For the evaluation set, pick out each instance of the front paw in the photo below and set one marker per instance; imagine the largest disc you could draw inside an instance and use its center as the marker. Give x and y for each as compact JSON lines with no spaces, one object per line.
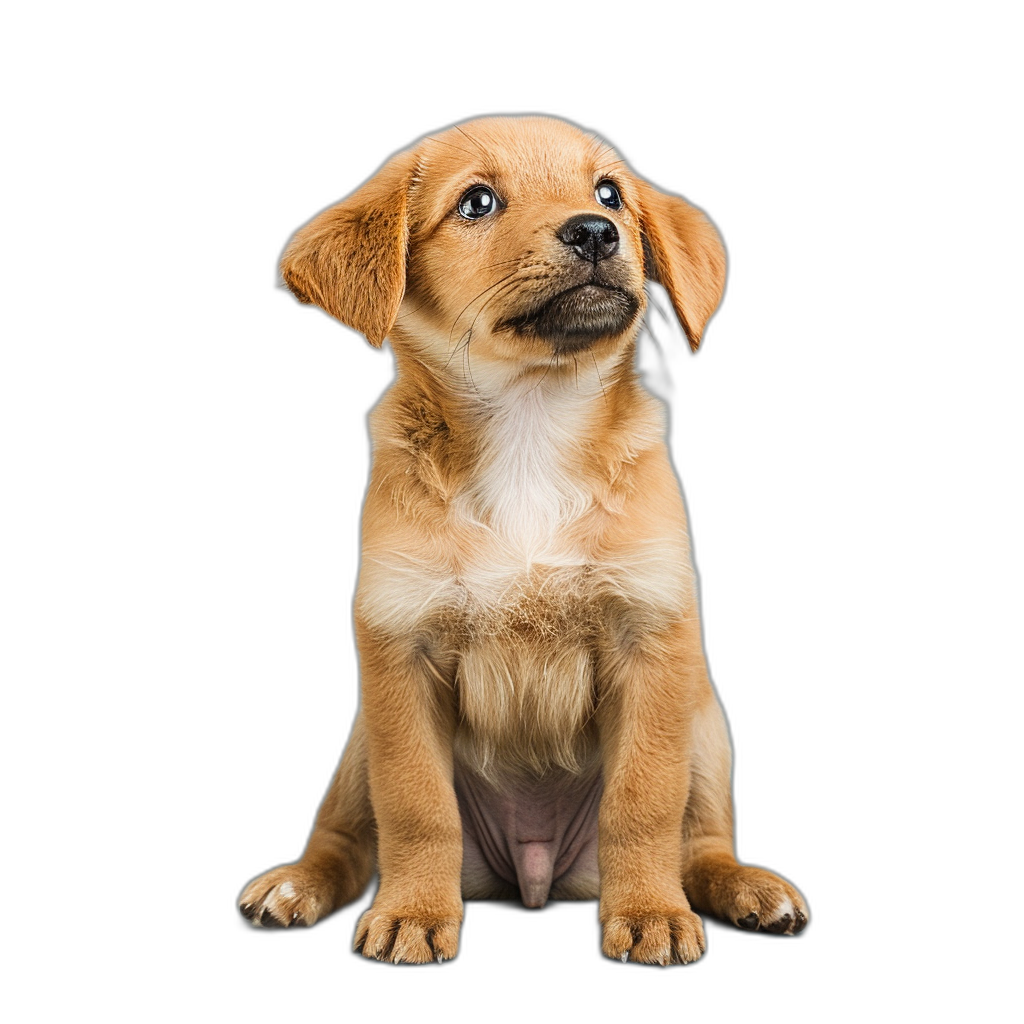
{"x":405,"y":936}
{"x":674,"y":936}
{"x":292,"y":894}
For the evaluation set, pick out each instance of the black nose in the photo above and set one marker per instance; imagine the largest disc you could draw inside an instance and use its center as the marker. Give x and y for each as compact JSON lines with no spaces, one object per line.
{"x":592,"y":238}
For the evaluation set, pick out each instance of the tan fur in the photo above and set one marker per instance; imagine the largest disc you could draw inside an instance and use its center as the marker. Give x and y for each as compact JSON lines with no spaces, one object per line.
{"x":526,"y":602}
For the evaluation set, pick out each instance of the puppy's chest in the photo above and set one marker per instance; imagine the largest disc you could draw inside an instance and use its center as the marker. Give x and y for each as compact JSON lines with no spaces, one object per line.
{"x":527,"y":594}
{"x":484,"y":580}
{"x":524,"y":565}
{"x":515,"y":546}
{"x":522,"y":538}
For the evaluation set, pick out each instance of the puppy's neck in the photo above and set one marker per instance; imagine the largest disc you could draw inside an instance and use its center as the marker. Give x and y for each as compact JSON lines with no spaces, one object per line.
{"x":530,"y":479}
{"x":525,"y":453}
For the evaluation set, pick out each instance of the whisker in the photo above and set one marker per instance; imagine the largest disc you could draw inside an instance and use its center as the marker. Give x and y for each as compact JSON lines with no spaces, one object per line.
{"x":469,"y":366}
{"x":481,"y":149}
{"x":543,"y":376}
{"x":622,"y":162}
{"x":414,"y":309}
{"x":475,"y":298}
{"x":501,"y":291}
{"x":459,"y":347}
{"x":601,"y":148}
{"x":597,"y":370}
{"x":513,"y":274}
{"x":508,"y":285}
{"x":501,"y":263}
{"x":430,"y":138}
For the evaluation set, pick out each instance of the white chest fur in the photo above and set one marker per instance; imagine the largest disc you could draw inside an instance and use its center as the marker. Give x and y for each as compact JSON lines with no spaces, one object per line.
{"x":527,"y":492}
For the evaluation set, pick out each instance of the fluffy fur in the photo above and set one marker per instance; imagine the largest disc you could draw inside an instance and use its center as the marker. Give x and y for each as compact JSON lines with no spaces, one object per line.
{"x":526,"y":612}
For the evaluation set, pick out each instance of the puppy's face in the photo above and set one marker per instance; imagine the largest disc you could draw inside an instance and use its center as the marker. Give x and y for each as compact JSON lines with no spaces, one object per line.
{"x":525,"y":245}
{"x":523,"y":241}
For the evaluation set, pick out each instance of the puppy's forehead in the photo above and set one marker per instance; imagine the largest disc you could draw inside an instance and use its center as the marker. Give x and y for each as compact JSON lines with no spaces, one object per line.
{"x":521,"y":153}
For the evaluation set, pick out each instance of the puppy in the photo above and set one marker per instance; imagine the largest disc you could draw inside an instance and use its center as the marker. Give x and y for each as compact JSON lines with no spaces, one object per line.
{"x":536,"y":717}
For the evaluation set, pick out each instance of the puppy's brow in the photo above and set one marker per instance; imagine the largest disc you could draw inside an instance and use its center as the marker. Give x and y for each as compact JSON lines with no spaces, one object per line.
{"x":607,"y":169}
{"x":603,"y":148}
{"x":472,"y":140}
{"x":441,"y":142}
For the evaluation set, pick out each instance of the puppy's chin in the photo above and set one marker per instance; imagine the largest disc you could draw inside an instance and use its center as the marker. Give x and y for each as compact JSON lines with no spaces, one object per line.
{"x":577,"y":318}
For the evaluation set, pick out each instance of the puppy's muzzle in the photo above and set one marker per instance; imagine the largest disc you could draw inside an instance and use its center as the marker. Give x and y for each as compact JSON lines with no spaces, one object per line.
{"x":584,"y":305}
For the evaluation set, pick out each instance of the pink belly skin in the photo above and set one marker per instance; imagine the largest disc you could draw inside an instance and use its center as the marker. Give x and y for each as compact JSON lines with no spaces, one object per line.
{"x":537,"y":836}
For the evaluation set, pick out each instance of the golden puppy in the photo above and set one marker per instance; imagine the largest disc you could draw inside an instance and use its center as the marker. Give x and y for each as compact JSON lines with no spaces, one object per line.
{"x":536,"y":714}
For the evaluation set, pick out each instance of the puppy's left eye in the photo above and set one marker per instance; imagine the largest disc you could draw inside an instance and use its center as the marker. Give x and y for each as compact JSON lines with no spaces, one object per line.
{"x":478,"y":202}
{"x":608,"y":195}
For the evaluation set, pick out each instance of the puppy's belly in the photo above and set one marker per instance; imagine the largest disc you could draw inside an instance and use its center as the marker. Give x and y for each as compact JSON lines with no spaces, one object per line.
{"x":537,"y":834}
{"x":527,"y":775}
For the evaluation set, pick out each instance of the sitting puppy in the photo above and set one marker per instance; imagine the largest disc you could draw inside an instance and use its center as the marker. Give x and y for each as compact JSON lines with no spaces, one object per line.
{"x":536,"y":717}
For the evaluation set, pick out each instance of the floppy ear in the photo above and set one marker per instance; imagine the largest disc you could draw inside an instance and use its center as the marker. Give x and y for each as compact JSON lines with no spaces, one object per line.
{"x":684,"y":254}
{"x":350,"y":260}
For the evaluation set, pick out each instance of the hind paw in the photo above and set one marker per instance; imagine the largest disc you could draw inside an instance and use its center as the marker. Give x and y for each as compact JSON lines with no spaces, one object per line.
{"x":288,"y":895}
{"x":757,"y":900}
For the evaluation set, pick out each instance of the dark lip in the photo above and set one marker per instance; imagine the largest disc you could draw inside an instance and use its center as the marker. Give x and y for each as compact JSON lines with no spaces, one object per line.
{"x":523,"y":320}
{"x":540,"y":321}
{"x":590,"y":284}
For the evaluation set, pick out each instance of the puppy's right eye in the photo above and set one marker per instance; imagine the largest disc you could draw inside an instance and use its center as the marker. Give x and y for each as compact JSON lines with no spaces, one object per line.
{"x":477,"y":202}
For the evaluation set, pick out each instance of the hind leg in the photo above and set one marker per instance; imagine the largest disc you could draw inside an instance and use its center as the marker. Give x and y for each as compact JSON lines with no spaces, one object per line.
{"x":748,"y":897}
{"x":339,"y":857}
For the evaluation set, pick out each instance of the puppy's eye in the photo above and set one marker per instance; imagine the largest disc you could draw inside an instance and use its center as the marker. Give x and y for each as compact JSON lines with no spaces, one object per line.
{"x":608,"y":195}
{"x":477,"y":202}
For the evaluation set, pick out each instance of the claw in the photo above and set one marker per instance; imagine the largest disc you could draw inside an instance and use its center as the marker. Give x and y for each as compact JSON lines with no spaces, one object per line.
{"x":267,"y":920}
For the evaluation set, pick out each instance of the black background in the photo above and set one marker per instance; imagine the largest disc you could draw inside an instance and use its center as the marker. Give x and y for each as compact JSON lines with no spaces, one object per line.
{"x":280,"y":393}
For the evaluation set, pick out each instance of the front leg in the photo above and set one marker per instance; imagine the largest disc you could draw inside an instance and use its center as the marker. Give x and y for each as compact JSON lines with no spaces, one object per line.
{"x":649,"y":683}
{"x":416,"y":914}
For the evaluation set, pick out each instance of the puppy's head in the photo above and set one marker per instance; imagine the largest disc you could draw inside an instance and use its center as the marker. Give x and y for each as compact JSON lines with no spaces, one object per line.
{"x":524,"y":238}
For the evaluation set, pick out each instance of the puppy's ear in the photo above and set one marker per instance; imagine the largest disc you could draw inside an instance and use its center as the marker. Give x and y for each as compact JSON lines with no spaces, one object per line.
{"x":350,"y":260}
{"x":684,"y":254}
